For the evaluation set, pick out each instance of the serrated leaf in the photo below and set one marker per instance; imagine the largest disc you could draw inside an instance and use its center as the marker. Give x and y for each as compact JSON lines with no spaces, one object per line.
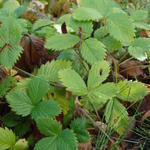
{"x":19,"y":102}
{"x":49,"y":127}
{"x":98,"y":73}
{"x":66,"y":141}
{"x":50,"y":69}
{"x":86,"y":14}
{"x":120,"y":27}
{"x":79,"y":127}
{"x":100,"y":95}
{"x":139,"y":48}
{"x":10,"y":35}
{"x":61,"y":42}
{"x":37,"y":88}
{"x":72,"y":81}
{"x":7,"y":139}
{"x":103,"y":6}
{"x":5,"y":85}
{"x":116,"y":116}
{"x":47,"y":108}
{"x":131,"y":91}
{"x":92,"y":53}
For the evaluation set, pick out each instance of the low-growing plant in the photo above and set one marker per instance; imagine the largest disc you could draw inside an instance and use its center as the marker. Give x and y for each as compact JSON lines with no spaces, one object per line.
{"x":61,"y":96}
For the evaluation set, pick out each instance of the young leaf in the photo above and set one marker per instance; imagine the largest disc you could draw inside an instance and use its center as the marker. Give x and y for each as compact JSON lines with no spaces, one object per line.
{"x":139,"y":48}
{"x":61,"y":42}
{"x":73,"y":81}
{"x":79,"y":127}
{"x":49,"y":127}
{"x":10,"y":34}
{"x":50,"y":69}
{"x":120,"y":27}
{"x":98,"y":73}
{"x":86,"y":14}
{"x":116,"y":116}
{"x":7,"y":139}
{"x":131,"y":91}
{"x":92,"y":53}
{"x":37,"y":88}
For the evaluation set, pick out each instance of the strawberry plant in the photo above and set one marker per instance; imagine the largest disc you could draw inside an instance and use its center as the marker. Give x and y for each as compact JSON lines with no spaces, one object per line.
{"x":55,"y":104}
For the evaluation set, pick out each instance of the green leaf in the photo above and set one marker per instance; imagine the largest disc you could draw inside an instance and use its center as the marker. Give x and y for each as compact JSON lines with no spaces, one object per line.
{"x":79,"y":127}
{"x":100,"y":95}
{"x":92,"y":53}
{"x":21,"y":144}
{"x":104,"y":7}
{"x":19,"y":102}
{"x":66,"y":141}
{"x":5,"y":85}
{"x":116,"y":116}
{"x":37,"y":88}
{"x":47,"y":108}
{"x":86,"y":14}
{"x":131,"y":91}
{"x":98,"y":73}
{"x":50,"y":69}
{"x":10,"y":35}
{"x":61,"y":42}
{"x":73,"y":81}
{"x":139,"y":48}
{"x":120,"y":27}
{"x":49,"y":127}
{"x":7,"y":139}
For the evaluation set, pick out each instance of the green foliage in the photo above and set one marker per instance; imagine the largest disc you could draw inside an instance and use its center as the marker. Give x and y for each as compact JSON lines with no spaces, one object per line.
{"x":139,"y":48}
{"x":7,"y":139}
{"x":10,"y":34}
{"x":87,"y":14}
{"x":56,"y":137}
{"x":116,"y":116}
{"x":61,"y":42}
{"x":5,"y":85}
{"x":50,"y":69}
{"x":24,"y":103}
{"x":73,"y":81}
{"x":92,"y":53}
{"x":131,"y":91}
{"x":79,"y":127}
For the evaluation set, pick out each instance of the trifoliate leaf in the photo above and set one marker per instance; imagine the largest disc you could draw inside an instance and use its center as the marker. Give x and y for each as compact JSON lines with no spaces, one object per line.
{"x":139,"y":48}
{"x":79,"y":127}
{"x":7,"y":139}
{"x":116,"y":116}
{"x":49,"y":127}
{"x":10,"y":35}
{"x":61,"y":42}
{"x":98,"y":73}
{"x":86,"y":14}
{"x":19,"y":102}
{"x":66,"y":141}
{"x":131,"y":91}
{"x":92,"y":53}
{"x":120,"y":27}
{"x":37,"y":88}
{"x":50,"y":69}
{"x":47,"y":108}
{"x":103,"y":6}
{"x":73,"y":82}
